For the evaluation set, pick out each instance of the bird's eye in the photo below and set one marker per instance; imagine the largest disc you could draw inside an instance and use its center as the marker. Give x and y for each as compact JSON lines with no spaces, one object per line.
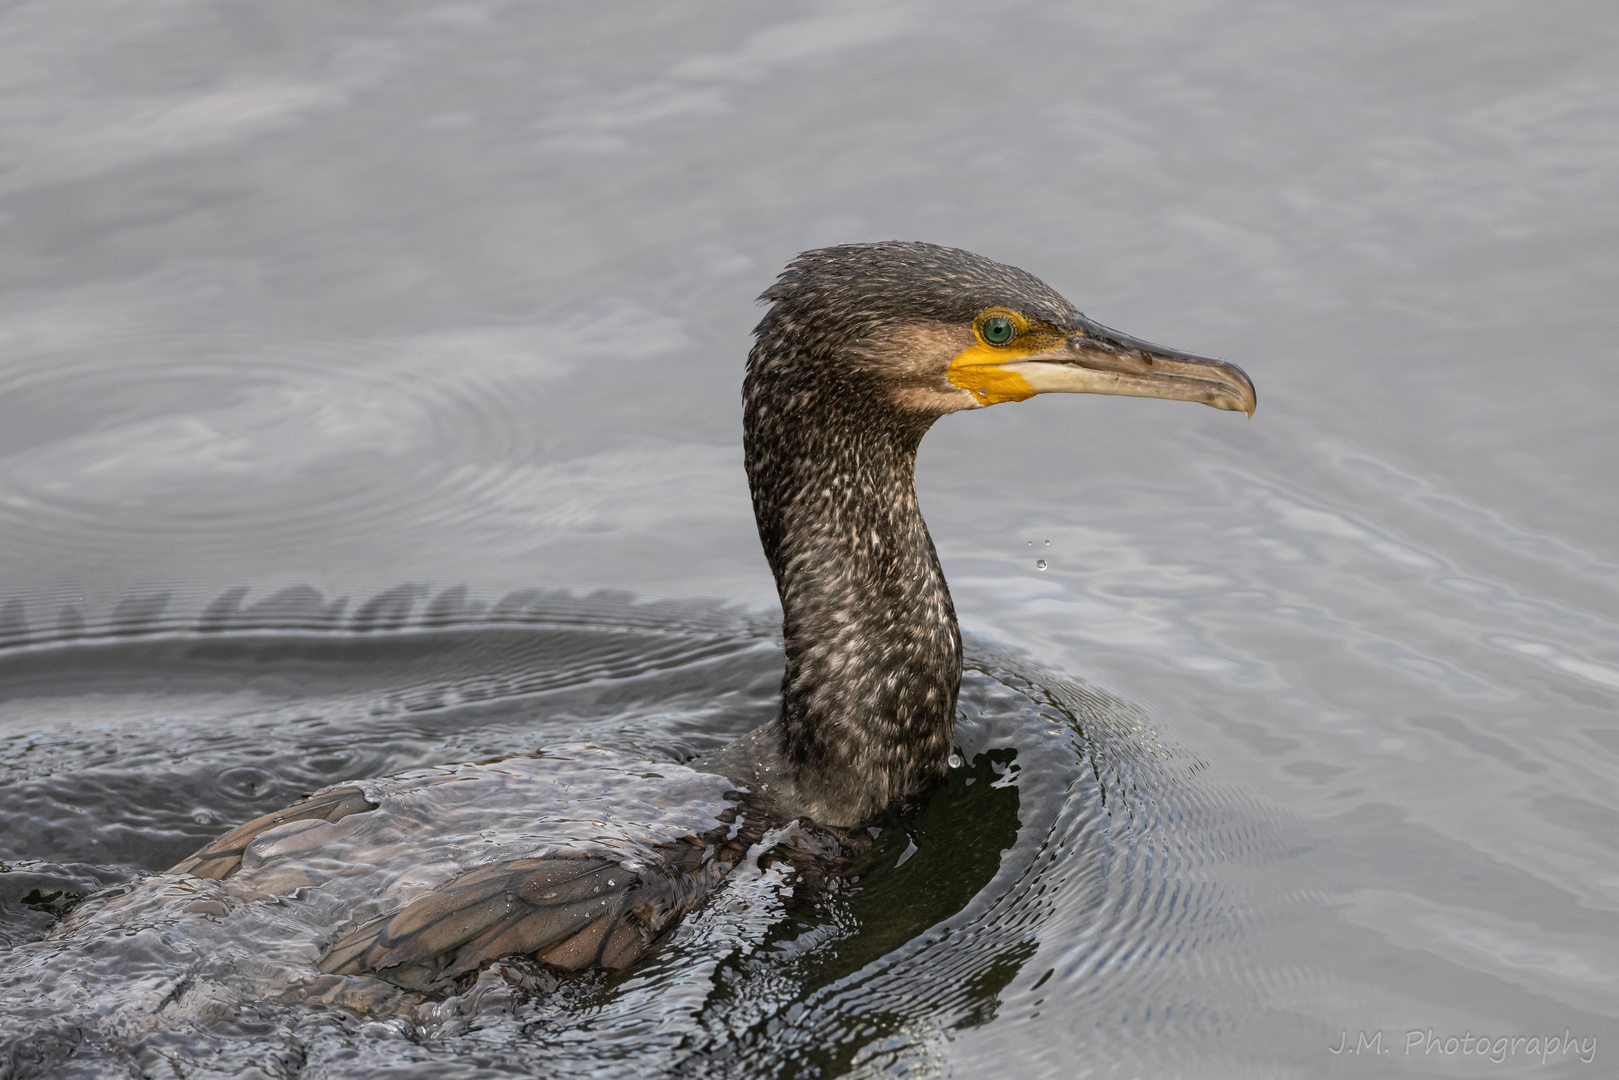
{"x":997,"y":331}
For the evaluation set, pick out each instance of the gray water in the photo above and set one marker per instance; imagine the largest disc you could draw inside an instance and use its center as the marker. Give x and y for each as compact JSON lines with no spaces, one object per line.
{"x":336,"y":321}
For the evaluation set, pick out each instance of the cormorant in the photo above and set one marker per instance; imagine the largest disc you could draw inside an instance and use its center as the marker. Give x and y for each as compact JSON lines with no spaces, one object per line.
{"x":863,"y":347}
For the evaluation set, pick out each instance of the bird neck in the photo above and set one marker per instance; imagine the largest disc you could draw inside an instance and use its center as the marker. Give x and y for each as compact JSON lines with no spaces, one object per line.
{"x":872,"y":647}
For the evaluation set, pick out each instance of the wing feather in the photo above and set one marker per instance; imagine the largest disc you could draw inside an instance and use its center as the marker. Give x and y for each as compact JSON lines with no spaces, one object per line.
{"x":223,"y":857}
{"x":569,"y":911}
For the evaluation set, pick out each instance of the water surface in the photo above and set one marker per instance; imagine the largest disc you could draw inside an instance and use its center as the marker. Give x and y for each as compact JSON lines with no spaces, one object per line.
{"x":350,"y":325}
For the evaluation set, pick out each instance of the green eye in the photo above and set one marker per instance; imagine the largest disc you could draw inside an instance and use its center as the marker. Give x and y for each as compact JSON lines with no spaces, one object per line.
{"x":997,"y":331}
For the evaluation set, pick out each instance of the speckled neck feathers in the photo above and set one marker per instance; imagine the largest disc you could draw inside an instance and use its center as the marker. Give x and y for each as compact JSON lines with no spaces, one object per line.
{"x":848,"y":372}
{"x":873,"y":651}
{"x":873,"y":654}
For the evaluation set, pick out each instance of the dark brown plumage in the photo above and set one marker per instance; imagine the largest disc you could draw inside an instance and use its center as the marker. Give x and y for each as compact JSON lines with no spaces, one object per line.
{"x":863,"y":347}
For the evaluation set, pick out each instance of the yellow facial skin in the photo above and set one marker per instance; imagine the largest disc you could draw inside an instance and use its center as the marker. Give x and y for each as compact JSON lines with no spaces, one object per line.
{"x":978,"y":369}
{"x":1087,"y":358}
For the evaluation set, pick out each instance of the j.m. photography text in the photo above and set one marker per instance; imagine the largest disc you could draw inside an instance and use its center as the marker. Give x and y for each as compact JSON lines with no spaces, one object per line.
{"x":1496,"y":1048}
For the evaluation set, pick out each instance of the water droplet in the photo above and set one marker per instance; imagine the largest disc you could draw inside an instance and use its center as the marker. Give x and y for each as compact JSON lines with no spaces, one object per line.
{"x":955,"y":761}
{"x":1031,"y":543}
{"x":1039,"y":564}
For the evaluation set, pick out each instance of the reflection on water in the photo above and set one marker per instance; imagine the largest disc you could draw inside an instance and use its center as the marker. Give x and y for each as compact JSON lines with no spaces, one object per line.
{"x":333,"y":341}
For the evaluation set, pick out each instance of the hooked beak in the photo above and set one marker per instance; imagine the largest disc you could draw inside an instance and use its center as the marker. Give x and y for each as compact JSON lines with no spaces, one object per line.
{"x":1094,"y":359}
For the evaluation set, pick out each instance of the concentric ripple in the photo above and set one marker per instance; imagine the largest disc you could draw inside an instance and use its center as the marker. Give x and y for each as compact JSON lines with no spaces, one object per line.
{"x":1074,"y":859}
{"x":225,"y":437}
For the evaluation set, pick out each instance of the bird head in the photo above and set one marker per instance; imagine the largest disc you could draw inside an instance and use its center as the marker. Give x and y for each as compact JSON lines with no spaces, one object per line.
{"x":938,"y":330}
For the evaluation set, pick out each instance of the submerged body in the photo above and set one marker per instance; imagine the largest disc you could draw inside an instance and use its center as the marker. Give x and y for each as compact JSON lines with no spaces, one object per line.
{"x":450,"y":866}
{"x":863,"y":348}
